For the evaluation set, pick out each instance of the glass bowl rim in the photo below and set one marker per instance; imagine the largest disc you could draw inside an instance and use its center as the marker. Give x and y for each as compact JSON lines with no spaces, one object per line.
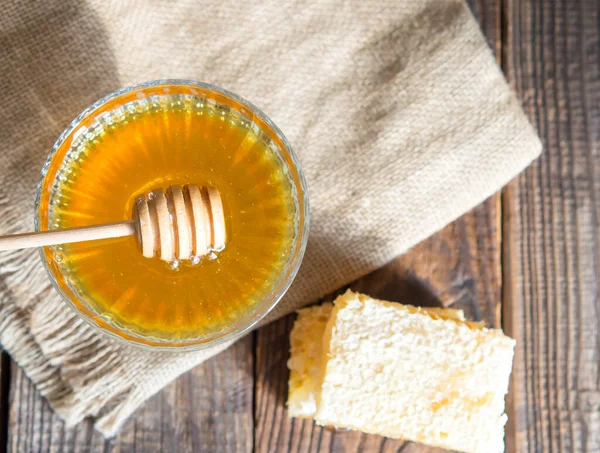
{"x":292,"y":266}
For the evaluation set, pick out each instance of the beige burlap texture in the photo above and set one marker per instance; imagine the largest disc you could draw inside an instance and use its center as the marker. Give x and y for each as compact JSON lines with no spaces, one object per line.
{"x":399,"y":114}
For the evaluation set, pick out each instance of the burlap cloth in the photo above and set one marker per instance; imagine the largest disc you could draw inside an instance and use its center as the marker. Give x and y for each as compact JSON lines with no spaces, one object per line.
{"x":397,"y":110}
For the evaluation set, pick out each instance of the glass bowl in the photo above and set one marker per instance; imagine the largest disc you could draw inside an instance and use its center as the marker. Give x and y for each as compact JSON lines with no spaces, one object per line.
{"x":219,"y":99}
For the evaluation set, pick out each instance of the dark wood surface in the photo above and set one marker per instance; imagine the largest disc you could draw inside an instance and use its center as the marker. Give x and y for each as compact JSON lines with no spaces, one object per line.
{"x":530,"y":254}
{"x":550,"y":219}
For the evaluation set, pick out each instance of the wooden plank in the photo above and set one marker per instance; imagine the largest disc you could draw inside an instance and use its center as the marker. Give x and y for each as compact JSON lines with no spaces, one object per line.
{"x":206,"y":410}
{"x":459,"y":267}
{"x":33,"y":426}
{"x":551,"y":230}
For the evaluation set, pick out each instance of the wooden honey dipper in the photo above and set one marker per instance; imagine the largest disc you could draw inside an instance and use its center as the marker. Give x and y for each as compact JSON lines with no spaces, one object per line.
{"x":178,"y":223}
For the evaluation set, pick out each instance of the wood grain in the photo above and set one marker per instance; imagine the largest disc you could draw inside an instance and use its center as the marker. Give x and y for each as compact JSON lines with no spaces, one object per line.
{"x":459,"y":267}
{"x":551,"y":240}
{"x":208,"y":409}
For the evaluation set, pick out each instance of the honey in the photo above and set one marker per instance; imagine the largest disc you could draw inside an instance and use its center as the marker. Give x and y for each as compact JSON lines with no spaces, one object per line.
{"x":152,"y":142}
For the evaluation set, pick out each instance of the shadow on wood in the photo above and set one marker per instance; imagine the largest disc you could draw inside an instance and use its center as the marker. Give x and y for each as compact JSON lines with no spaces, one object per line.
{"x":393,"y":283}
{"x":459,"y":267}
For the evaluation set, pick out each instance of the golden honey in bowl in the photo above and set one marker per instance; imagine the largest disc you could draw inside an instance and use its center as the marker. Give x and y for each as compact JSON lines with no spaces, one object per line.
{"x":171,"y":135}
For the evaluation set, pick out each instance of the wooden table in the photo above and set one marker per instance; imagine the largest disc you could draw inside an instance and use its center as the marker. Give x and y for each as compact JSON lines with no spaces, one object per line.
{"x":527,"y":260}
